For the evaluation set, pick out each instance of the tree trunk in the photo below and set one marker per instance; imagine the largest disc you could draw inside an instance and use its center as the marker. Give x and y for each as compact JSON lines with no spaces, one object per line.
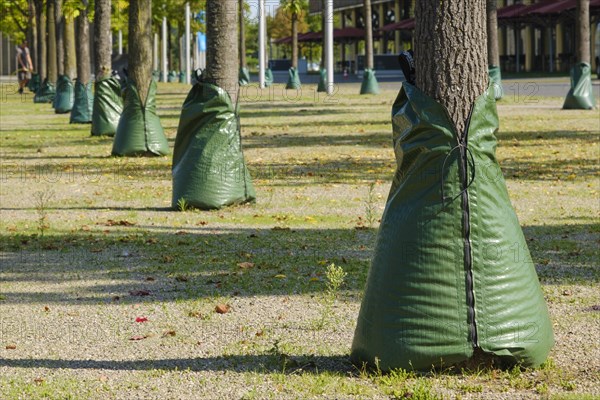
{"x":41,"y":29}
{"x":102,"y":47}
{"x":60,"y":32}
{"x":451,"y":54}
{"x":583,"y":31}
{"x":69,"y":43}
{"x":242,"y":35}
{"x":222,"y":51}
{"x":492,"y":31}
{"x":51,"y":48}
{"x":33,"y":44}
{"x":368,"y":34}
{"x":83,"y":45}
{"x":294,"y":40}
{"x":140,"y":45}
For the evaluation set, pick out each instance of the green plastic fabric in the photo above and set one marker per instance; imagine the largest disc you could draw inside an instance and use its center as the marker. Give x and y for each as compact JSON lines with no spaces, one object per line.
{"x":45,"y":93}
{"x":581,"y":94}
{"x":172,"y":77}
{"x":34,"y":83}
{"x":369,"y":84}
{"x":496,"y":80}
{"x":108,"y":106}
{"x":156,"y":75}
{"x":139,"y":131}
{"x":83,"y":106}
{"x":244,"y":76}
{"x":293,"y":79}
{"x":322,"y":86}
{"x":415,"y":312}
{"x":182,"y":77}
{"x":65,"y":95}
{"x":268,"y":77}
{"x":209,"y":170}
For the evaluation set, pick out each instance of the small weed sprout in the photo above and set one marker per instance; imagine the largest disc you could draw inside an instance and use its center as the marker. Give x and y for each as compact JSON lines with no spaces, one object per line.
{"x":370,"y":215}
{"x":335,"y":279}
{"x":182,"y":205}
{"x":42,"y":199}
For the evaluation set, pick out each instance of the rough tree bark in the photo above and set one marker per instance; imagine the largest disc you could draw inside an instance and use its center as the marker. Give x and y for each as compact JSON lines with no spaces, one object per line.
{"x":33,"y":40}
{"x":60,"y":32}
{"x":451,"y":54}
{"x":242,"y":34}
{"x":294,"y":36}
{"x":102,"y":45}
{"x":140,"y":45}
{"x":69,"y":44}
{"x":40,"y":16}
{"x":583,"y":31}
{"x":222,"y":46}
{"x":51,"y":48}
{"x":83,"y":45}
{"x":492,"y":32}
{"x":368,"y":17}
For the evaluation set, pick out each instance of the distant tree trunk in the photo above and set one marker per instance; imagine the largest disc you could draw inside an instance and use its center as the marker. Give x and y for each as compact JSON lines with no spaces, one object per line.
{"x":102,"y":47}
{"x":492,"y":32}
{"x":323,"y":44}
{"x":51,"y":48}
{"x":454,"y":78}
{"x":294,"y":38}
{"x":242,"y":34}
{"x":222,"y":52}
{"x":33,"y":40}
{"x":83,"y":45}
{"x":40,"y":16}
{"x":368,"y":34}
{"x":69,"y":43}
{"x":170,"y":47}
{"x":583,"y":31}
{"x":140,"y":45}
{"x":60,"y":32}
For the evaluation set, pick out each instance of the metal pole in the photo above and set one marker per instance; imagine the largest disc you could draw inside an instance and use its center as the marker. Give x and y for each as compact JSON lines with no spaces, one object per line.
{"x":1,"y":54}
{"x":120,"y":42}
{"x":155,"y":51}
{"x":165,"y":66}
{"x":261,"y":43}
{"x":188,"y":63}
{"x":329,"y":44}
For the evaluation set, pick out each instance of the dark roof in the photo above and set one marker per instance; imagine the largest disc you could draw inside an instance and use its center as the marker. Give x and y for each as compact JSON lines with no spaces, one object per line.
{"x":405,"y":24}
{"x":340,"y":35}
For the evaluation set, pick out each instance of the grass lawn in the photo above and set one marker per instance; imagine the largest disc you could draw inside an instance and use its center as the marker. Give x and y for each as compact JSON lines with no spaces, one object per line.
{"x":106,"y":293}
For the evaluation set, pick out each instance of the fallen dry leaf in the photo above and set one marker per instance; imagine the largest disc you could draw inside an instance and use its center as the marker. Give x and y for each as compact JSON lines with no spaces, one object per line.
{"x":169,"y":333}
{"x":39,"y":381}
{"x":139,"y":293}
{"x":103,"y":378}
{"x":46,"y":308}
{"x":111,"y":222}
{"x":246,"y":265}
{"x":141,"y":319}
{"x":181,"y":278}
{"x":222,"y":308}
{"x":138,"y":337}
{"x":11,"y":347}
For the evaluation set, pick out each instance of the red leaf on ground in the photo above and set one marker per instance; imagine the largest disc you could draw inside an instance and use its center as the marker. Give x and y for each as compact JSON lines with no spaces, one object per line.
{"x":222,"y":308}
{"x":141,"y":319}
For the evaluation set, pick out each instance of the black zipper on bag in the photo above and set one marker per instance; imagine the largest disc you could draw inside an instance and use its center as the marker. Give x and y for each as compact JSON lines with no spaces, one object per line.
{"x":466,"y":230}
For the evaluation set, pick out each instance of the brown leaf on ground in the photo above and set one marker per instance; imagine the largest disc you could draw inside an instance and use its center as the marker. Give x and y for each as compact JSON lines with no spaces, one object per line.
{"x":39,"y":381}
{"x":138,"y":337}
{"x":168,"y":259}
{"x":122,"y":222}
{"x":139,"y":292}
{"x":11,"y":347}
{"x":46,"y":308}
{"x":246,"y":265}
{"x":222,"y":308}
{"x":168,"y":333}
{"x":182,"y":278}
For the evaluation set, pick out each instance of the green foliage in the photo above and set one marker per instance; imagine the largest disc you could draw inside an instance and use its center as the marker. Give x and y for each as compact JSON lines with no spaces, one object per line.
{"x":14,"y":18}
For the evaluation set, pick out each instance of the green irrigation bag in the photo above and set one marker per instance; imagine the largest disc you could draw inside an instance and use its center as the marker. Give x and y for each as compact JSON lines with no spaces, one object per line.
{"x":451,"y":271}
{"x":182,"y":77}
{"x":209,"y":170}
{"x":45,"y":93}
{"x":369,"y":83}
{"x":496,"y":80}
{"x":81,"y":113}
{"x":139,"y":131}
{"x":268,"y":77}
{"x":322,"y":86}
{"x":172,"y":77}
{"x":581,"y":94}
{"x":156,"y":75}
{"x":108,"y":106}
{"x":65,"y":95}
{"x":34,"y":83}
{"x":244,"y":76}
{"x":293,"y":79}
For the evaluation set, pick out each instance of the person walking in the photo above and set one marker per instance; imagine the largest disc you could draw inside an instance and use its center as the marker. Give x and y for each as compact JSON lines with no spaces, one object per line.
{"x":24,"y":65}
